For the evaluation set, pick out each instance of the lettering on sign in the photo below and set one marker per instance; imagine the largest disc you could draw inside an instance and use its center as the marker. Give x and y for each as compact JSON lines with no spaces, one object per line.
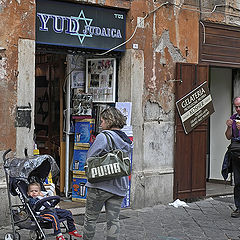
{"x":192,"y":98}
{"x":119,"y":16}
{"x":195,"y":107}
{"x":72,"y":24}
{"x":76,"y":26}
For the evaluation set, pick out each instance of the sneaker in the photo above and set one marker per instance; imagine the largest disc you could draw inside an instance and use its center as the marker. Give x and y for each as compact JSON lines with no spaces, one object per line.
{"x":61,"y":237}
{"x":75,"y":234}
{"x":236,"y":213}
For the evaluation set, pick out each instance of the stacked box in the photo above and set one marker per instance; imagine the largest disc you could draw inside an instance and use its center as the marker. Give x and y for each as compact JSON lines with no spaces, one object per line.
{"x":79,"y":190}
{"x":49,"y":180}
{"x":82,"y":140}
{"x":79,"y":159}
{"x":126,"y":200}
{"x":83,"y":132}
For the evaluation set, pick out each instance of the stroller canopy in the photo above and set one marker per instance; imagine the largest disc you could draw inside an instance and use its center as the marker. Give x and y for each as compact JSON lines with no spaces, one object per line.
{"x":37,"y":166}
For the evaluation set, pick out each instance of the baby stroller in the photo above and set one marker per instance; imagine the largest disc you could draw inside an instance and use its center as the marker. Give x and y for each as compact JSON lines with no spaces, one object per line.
{"x":19,"y":173}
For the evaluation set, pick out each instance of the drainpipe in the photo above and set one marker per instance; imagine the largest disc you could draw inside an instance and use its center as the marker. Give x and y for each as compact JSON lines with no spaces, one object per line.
{"x":68,"y":110}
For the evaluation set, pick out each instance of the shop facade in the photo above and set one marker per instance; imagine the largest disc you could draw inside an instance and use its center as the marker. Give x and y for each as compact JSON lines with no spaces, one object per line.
{"x":48,"y":55}
{"x":76,"y":78}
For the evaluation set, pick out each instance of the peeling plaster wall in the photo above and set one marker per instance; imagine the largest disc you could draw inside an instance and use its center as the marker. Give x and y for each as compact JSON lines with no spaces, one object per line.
{"x":130,"y":88}
{"x":20,"y":22}
{"x":223,"y":12}
{"x":169,"y":35}
{"x":26,"y":93}
{"x":125,"y":4}
{"x":19,"y":17}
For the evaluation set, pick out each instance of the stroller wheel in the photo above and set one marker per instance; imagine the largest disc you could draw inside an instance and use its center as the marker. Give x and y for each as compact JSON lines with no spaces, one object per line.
{"x":35,"y":235}
{"x":10,"y":236}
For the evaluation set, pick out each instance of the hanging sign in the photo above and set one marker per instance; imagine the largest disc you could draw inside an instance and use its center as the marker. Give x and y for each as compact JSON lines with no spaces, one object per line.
{"x":195,"y":107}
{"x":77,"y":25}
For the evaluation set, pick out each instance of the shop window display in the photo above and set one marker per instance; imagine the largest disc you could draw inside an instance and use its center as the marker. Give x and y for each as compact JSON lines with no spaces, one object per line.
{"x":101,"y":79}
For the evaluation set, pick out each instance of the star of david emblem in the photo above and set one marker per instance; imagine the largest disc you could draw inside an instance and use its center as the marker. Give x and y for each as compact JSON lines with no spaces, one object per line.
{"x":88,"y":21}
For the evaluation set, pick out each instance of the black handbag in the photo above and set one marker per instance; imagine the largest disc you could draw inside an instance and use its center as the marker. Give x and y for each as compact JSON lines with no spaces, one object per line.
{"x":234,"y":146}
{"x":234,"y":149}
{"x":113,"y":164}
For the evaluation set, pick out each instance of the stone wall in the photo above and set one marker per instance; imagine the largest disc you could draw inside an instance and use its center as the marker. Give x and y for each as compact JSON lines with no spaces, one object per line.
{"x":168,"y":35}
{"x":17,"y":22}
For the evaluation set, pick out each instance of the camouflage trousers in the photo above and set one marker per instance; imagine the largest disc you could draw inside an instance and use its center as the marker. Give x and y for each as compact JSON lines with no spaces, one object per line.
{"x":96,"y":198}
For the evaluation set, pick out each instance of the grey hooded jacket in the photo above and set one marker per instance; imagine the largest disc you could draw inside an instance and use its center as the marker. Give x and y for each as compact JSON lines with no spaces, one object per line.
{"x":117,"y":186}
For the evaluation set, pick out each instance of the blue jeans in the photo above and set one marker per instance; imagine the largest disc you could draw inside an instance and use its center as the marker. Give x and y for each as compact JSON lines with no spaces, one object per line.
{"x":55,"y":215}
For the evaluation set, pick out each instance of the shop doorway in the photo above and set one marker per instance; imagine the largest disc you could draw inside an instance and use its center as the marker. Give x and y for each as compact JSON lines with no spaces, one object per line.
{"x":70,"y":93}
{"x":221,"y":92}
{"x":221,"y":87}
{"x":199,"y":154}
{"x":49,"y":79}
{"x":224,"y":85}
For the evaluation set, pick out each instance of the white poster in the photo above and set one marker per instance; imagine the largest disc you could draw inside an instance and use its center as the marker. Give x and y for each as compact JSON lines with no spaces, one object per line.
{"x":126,"y":110}
{"x":78,"y":79}
{"x":101,"y":79}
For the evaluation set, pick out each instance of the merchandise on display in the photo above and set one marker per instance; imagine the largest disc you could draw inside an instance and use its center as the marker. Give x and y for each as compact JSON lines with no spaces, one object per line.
{"x":93,"y":84}
{"x":82,"y":104}
{"x":79,"y":190}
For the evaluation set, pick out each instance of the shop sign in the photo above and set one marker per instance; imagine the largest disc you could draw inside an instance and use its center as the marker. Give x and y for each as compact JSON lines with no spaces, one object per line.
{"x":195,"y":107}
{"x":77,"y":25}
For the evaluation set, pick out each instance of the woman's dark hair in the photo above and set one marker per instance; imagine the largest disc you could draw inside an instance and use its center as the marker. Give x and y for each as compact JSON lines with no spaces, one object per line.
{"x":113,"y":118}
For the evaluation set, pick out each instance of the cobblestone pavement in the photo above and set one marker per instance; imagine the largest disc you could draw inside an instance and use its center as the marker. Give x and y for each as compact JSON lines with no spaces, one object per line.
{"x":207,"y":219}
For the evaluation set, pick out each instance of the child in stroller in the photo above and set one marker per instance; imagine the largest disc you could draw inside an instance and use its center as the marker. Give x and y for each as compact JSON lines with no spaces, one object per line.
{"x":20,"y":172}
{"x":47,"y":212}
